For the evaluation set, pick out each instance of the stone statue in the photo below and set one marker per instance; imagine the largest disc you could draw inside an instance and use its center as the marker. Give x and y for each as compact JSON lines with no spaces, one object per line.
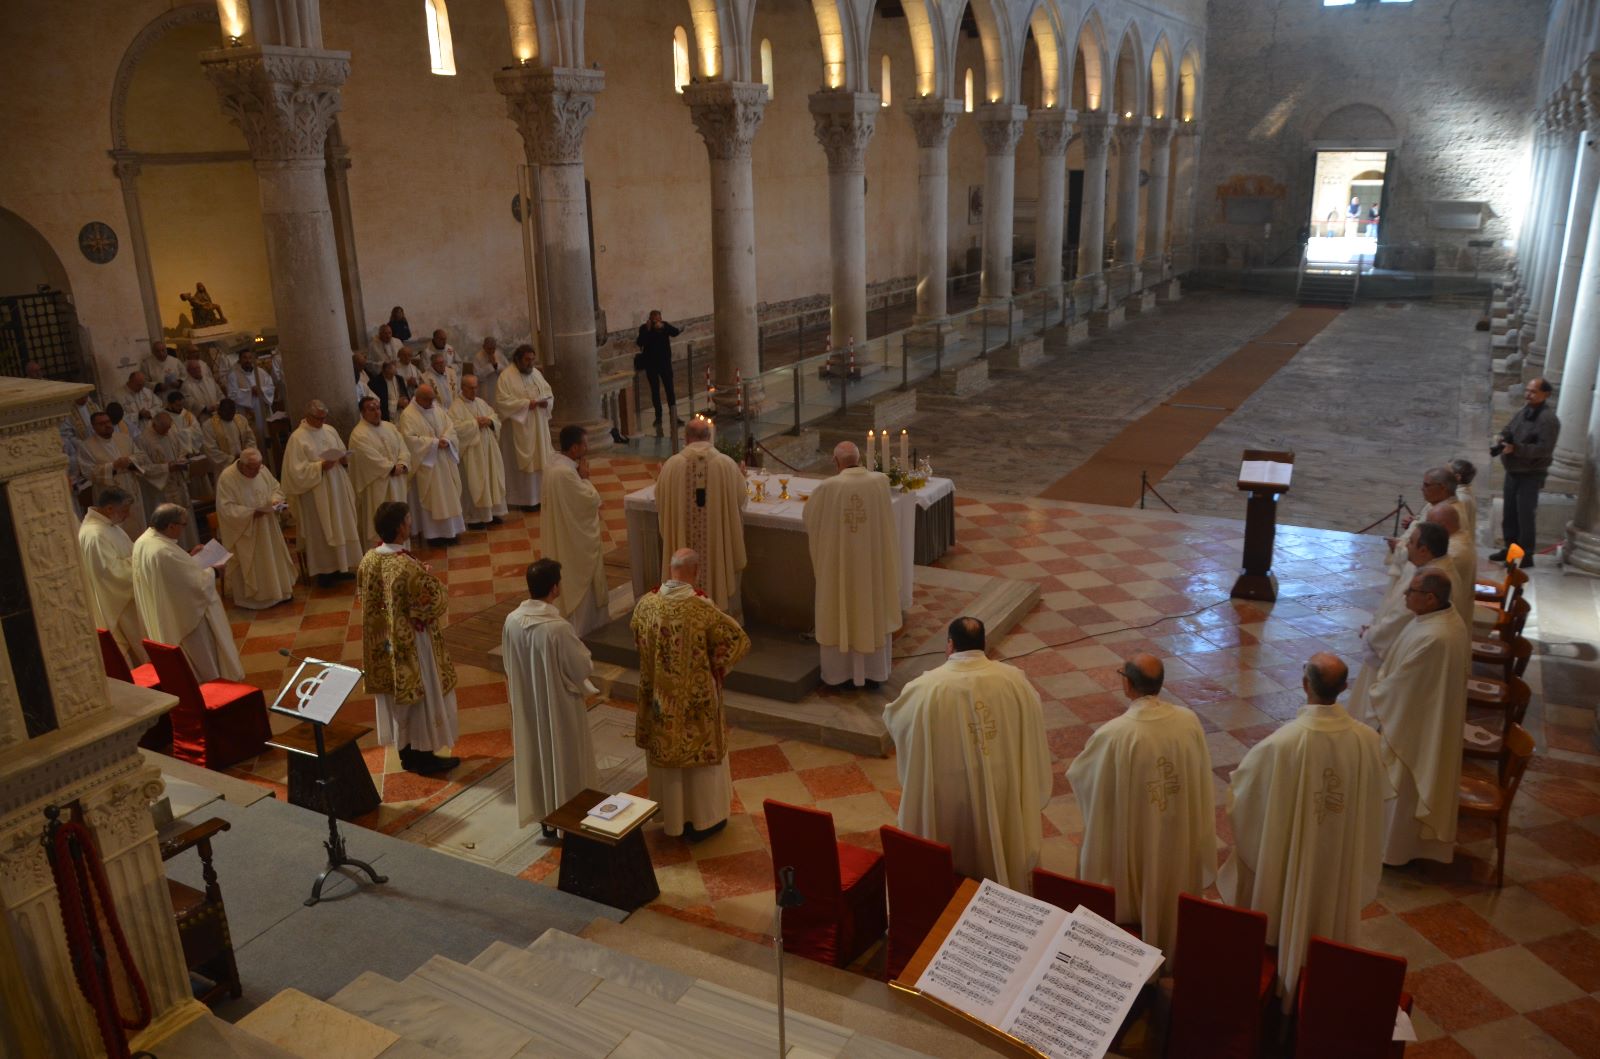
{"x":207,"y":313}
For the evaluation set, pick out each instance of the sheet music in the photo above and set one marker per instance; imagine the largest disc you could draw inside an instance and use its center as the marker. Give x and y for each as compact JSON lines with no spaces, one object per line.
{"x":213,"y":554}
{"x":1074,"y":1002}
{"x":985,"y":958}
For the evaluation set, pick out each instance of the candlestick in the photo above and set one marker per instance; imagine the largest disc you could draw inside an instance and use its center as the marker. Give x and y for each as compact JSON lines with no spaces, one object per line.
{"x":905,"y":450}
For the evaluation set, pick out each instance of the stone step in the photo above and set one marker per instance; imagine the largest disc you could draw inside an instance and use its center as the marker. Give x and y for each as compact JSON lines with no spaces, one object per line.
{"x":454,"y":1029}
{"x":556,"y":1026}
{"x":1021,"y":355}
{"x":208,"y":1037}
{"x":547,"y":978}
{"x":309,"y":1028}
{"x":962,"y":380}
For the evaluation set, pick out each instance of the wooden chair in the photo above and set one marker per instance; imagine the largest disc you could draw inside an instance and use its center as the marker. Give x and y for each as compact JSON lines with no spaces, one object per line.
{"x":1491,"y":800}
{"x":215,"y":724}
{"x":1347,"y":1003}
{"x":843,"y":886}
{"x":1494,"y":593}
{"x":1494,"y":616}
{"x":1068,"y":893}
{"x":1221,"y":981}
{"x":1509,"y":655}
{"x":1502,"y":703}
{"x":202,"y":917}
{"x":159,"y":735}
{"x":921,"y":880}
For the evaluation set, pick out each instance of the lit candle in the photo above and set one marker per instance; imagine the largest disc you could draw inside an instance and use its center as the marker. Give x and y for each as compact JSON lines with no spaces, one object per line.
{"x":884,"y":440}
{"x":905,"y":450}
{"x":872,"y":437}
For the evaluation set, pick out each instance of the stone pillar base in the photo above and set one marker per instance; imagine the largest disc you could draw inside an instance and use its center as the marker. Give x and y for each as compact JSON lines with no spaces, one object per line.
{"x":1139,"y":303}
{"x":1581,"y":554}
{"x":936,"y":334}
{"x":963,"y":381}
{"x":1019,"y":356}
{"x":1104,"y":320}
{"x":1078,"y":332}
{"x":1170,"y":291}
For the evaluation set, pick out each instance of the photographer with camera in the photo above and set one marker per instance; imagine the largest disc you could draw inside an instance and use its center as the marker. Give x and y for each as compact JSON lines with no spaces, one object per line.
{"x":1525,"y":446}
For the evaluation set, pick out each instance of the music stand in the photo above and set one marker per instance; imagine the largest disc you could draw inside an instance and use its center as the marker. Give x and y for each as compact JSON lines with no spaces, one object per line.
{"x":315,"y":697}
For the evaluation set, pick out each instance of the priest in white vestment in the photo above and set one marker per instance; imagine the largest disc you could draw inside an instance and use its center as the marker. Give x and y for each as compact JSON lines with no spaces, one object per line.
{"x":571,"y":533}
{"x":227,"y":434}
{"x":855,"y":557}
{"x":1420,"y":701}
{"x":1463,"y":558}
{"x":385,"y":347}
{"x":1307,"y":810}
{"x":139,"y":403}
{"x":973,"y":759}
{"x":524,"y":399}
{"x":317,"y":485}
{"x":699,"y":497}
{"x":487,"y":364}
{"x":252,"y":390}
{"x":107,"y":457}
{"x":165,"y":458}
{"x":407,"y":368}
{"x":547,"y":676}
{"x":1144,"y":786}
{"x":1466,"y":499}
{"x":262,"y":571}
{"x":78,"y":423}
{"x":201,"y":394}
{"x":108,"y":560}
{"x":380,"y":466}
{"x":430,"y":437}
{"x":178,"y":601}
{"x":686,"y":648}
{"x":160,"y":368}
{"x":483,"y":468}
{"x":1425,"y":546}
{"x":442,"y":376}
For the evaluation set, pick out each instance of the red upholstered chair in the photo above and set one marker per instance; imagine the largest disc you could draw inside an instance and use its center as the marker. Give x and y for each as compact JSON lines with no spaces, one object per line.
{"x":159,"y":737}
{"x":1068,"y":893}
{"x":1222,"y":981}
{"x":922,"y":879}
{"x":842,"y":884}
{"x":215,"y":724}
{"x":1347,"y":1002}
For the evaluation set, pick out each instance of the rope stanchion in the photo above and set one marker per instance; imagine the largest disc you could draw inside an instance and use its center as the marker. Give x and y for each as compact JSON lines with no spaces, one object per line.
{"x":1146,"y":487}
{"x":769,"y":452}
{"x":1392,"y":513}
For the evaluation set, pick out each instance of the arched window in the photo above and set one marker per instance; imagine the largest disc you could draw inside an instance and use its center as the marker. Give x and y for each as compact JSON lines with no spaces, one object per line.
{"x":766,"y":65}
{"x":441,"y":53}
{"x":680,"y":58}
{"x":883,"y":88}
{"x":970,"y":96}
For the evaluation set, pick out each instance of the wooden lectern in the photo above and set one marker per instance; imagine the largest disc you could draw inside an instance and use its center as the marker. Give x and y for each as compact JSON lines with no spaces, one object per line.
{"x":1265,"y":474}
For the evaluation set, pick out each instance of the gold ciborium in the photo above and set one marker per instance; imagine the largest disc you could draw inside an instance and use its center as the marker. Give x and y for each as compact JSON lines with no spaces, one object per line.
{"x":783,"y":488}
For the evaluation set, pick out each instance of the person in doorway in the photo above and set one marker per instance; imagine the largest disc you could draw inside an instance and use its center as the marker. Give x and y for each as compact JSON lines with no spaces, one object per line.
{"x":655,"y":357}
{"x":1525,"y":447}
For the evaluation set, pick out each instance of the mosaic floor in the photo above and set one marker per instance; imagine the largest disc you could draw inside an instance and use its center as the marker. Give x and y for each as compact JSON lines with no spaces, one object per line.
{"x":1504,"y":973}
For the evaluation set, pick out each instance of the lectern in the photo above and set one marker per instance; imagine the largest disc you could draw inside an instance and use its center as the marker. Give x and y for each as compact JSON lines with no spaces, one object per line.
{"x":1265,"y":475}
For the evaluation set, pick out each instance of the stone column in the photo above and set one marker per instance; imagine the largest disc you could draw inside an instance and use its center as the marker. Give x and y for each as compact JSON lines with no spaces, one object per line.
{"x":1528,"y":234}
{"x":932,"y":120}
{"x":1096,"y":131}
{"x":551,"y":107}
{"x":844,"y":124}
{"x":1533,"y":319}
{"x":127,"y":169}
{"x":283,"y":100}
{"x":1053,"y":127}
{"x":1580,"y":215}
{"x":1156,"y":199}
{"x":1002,"y":125}
{"x":727,"y":114}
{"x":1574,"y":463}
{"x":1183,"y":204}
{"x":1130,"y":137}
{"x":1569,"y":131}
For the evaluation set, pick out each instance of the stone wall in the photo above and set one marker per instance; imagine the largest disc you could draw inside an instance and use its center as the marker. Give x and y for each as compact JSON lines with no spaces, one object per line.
{"x":1453,"y":83}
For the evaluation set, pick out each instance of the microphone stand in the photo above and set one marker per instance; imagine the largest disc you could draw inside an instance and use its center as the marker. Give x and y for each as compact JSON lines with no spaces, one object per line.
{"x":788,"y":897}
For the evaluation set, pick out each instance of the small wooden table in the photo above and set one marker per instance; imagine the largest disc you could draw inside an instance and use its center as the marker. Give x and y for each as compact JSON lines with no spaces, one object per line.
{"x":349,"y":783}
{"x":614,"y":871}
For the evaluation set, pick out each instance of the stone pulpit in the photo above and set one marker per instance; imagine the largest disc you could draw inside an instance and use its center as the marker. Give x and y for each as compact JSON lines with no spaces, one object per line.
{"x":68,"y":737}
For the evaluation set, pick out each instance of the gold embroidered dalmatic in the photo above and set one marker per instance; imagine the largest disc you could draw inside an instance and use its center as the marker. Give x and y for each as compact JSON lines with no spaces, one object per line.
{"x":686,"y":647}
{"x":399,"y":598}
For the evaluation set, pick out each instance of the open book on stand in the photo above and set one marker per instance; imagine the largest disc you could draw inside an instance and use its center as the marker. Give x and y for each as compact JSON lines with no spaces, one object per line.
{"x":1059,"y":983}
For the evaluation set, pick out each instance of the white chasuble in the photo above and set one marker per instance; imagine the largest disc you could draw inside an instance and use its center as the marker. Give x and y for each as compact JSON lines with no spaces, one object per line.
{"x":108,"y":560}
{"x":1144,"y":785}
{"x":322,"y":501}
{"x":571,"y":533}
{"x":178,"y":601}
{"x":225,"y":439}
{"x":547,"y":675}
{"x":699,"y":495}
{"x":435,"y":471}
{"x":262,"y":571}
{"x":1307,"y":808}
{"x":1463,"y":556}
{"x":1467,"y":506}
{"x":252,"y":393}
{"x":1420,"y":700}
{"x":855,"y":557}
{"x":164,"y":483}
{"x":97,"y":458}
{"x":201,"y":396}
{"x":380,"y":467}
{"x":524,"y":432}
{"x":1391,"y":616}
{"x":974,"y":765}
{"x":483,"y":468}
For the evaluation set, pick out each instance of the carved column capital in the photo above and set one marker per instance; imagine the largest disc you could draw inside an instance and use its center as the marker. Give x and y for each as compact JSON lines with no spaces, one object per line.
{"x":282,"y":99}
{"x":727,"y":115}
{"x":1161,"y":132}
{"x":1052,"y":127}
{"x":844,"y":123}
{"x":1130,"y":133}
{"x":1096,"y":133}
{"x":933,"y":119}
{"x":551,"y":106}
{"x":1001,"y":125}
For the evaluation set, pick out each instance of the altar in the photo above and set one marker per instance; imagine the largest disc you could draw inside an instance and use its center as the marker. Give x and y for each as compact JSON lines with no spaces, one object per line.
{"x":778,"y":587}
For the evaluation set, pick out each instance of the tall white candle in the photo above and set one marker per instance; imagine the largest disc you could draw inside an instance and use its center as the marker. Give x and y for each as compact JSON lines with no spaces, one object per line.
{"x":883,"y":439}
{"x":866,"y":457}
{"x":905,"y":450}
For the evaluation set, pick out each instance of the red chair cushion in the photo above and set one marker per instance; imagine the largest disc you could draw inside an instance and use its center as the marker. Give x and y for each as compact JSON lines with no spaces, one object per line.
{"x":216,"y":724}
{"x":145,"y":676}
{"x":219,"y":694}
{"x":855,"y":864}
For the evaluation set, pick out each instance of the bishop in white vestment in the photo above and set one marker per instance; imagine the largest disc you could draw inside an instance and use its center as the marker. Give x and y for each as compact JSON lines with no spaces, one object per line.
{"x":430,"y":437}
{"x":108,"y":560}
{"x":1420,"y":701}
{"x":262,"y":570}
{"x":571,"y":533}
{"x":165,"y":459}
{"x":547,"y":675}
{"x":524,"y":400}
{"x":177,"y":598}
{"x":317,"y":485}
{"x":1307,"y":810}
{"x":973,"y":760}
{"x":855,"y":556}
{"x":380,"y":466}
{"x":699,"y":497}
{"x":1144,"y":786}
{"x":483,"y":468}
{"x":1425,"y":545}
{"x":107,"y":457}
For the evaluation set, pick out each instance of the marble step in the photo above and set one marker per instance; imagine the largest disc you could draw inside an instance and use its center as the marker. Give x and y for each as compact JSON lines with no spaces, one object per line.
{"x":715,"y":1038}
{"x":547,"y":978}
{"x":454,"y":1029}
{"x":618,"y":968}
{"x":640,"y":1045}
{"x":208,"y":1037}
{"x":310,"y":1028}
{"x":761,"y":1016}
{"x":556,"y":1026}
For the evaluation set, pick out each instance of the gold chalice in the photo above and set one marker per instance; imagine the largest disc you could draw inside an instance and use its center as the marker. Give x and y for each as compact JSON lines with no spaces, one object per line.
{"x":761,"y":489}
{"x":783,"y":488}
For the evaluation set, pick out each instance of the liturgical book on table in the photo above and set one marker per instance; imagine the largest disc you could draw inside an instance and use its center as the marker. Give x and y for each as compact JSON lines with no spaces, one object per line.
{"x":1059,"y":982}
{"x":628,"y":813}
